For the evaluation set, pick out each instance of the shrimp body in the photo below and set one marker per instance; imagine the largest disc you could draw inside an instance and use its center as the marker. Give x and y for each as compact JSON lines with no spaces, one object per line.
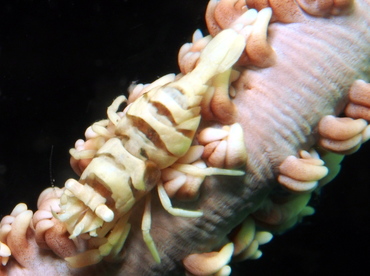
{"x":130,"y":150}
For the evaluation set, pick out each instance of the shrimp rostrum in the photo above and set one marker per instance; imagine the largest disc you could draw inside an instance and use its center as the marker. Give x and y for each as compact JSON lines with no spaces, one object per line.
{"x":123,"y":157}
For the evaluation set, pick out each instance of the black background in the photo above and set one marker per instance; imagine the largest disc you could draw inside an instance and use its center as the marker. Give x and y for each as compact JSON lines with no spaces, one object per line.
{"x":62,"y":63}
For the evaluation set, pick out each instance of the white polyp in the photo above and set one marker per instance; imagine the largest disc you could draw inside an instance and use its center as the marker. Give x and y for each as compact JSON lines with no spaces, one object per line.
{"x":19,"y":208}
{"x":4,"y":231}
{"x":4,"y":252}
{"x":86,"y":258}
{"x":135,"y":88}
{"x":245,"y":235}
{"x":47,"y":194}
{"x":302,"y":169}
{"x":314,"y":154}
{"x":172,"y":186}
{"x":194,"y":153}
{"x":197,"y":35}
{"x":250,"y":250}
{"x":244,"y":31}
{"x":247,"y":18}
{"x":263,"y":237}
{"x":224,"y":271}
{"x":193,"y":56}
{"x":184,"y":50}
{"x":209,"y":135}
{"x":366,"y":134}
{"x":208,"y":263}
{"x":312,"y":157}
{"x":7,"y":220}
{"x":256,"y":255}
{"x":41,"y":215}
{"x":170,"y":173}
{"x":80,"y":144}
{"x":89,"y":134}
{"x":262,"y":21}
{"x":232,"y":91}
{"x":22,"y":222}
{"x":307,"y":211}
{"x":218,"y":156}
{"x":167,"y":205}
{"x":41,"y":228}
{"x":295,"y":185}
{"x":305,"y":154}
{"x":4,"y":260}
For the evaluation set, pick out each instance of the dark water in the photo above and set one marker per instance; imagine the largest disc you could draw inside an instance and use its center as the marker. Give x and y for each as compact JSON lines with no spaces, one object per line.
{"x":62,"y":63}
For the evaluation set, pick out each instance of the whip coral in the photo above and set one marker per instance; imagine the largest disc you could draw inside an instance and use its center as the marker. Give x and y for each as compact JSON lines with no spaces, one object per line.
{"x":301,"y":169}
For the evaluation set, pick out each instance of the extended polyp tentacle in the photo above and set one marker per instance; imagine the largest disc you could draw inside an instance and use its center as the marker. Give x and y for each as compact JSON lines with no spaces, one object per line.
{"x":279,"y":213}
{"x":209,"y":263}
{"x":326,"y":7}
{"x":342,"y":135}
{"x":6,"y":226}
{"x":50,"y":233}
{"x":259,"y":51}
{"x":4,"y":253}
{"x":189,"y":53}
{"x":48,"y":202}
{"x":286,"y":11}
{"x":224,"y":147}
{"x":217,"y":104}
{"x":15,"y":236}
{"x":182,"y":185}
{"x":220,"y":14}
{"x":332,"y":162}
{"x":359,"y":101}
{"x":301,"y":174}
{"x":247,"y":239}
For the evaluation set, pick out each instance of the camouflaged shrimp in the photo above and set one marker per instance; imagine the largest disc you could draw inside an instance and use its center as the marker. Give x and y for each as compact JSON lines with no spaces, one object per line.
{"x":122,"y":159}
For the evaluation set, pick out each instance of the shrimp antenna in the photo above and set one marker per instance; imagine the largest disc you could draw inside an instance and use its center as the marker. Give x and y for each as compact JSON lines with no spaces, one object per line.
{"x":52,"y":180}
